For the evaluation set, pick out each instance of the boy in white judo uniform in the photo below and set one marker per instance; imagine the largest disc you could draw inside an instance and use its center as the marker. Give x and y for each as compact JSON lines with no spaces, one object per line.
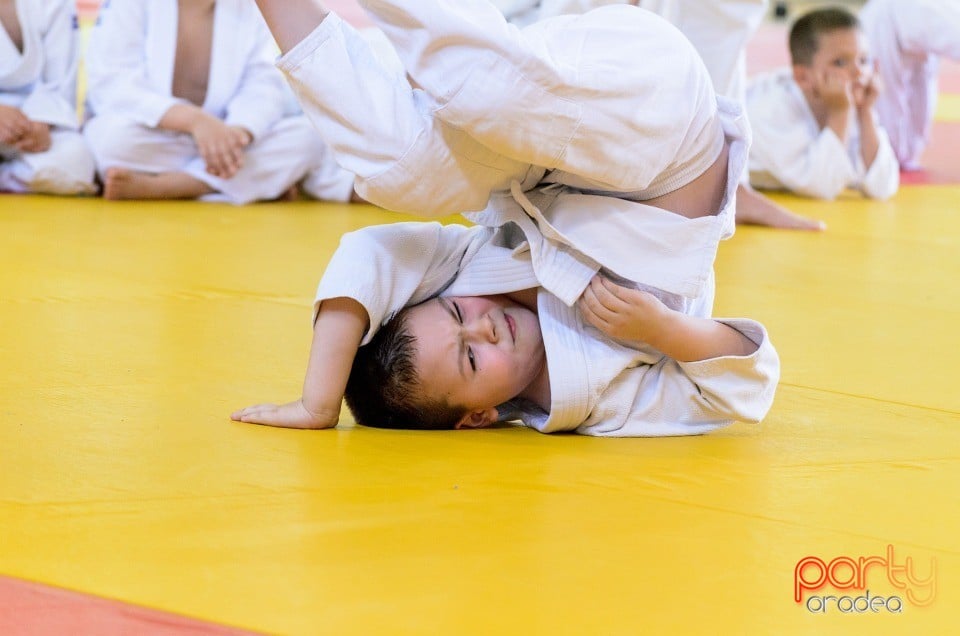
{"x":187,"y":104}
{"x":908,"y":38}
{"x":41,"y":149}
{"x":815,"y":126}
{"x":579,"y":174}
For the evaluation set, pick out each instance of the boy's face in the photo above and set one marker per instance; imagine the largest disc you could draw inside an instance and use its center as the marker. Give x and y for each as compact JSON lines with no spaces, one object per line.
{"x":844,"y":52}
{"x":476,"y":351}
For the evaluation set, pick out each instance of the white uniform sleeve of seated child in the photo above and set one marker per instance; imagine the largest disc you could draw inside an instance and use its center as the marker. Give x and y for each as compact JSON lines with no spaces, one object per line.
{"x":882,"y":178}
{"x":53,"y":97}
{"x":117,"y":65}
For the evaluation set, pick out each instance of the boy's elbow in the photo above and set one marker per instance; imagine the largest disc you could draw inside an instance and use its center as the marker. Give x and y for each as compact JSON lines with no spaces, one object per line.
{"x":755,"y":413}
{"x":751,"y":397}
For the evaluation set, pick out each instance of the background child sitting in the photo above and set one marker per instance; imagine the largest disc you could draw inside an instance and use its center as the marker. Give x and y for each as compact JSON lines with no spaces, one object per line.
{"x":815,"y":130}
{"x":41,"y":149}
{"x":187,"y":104}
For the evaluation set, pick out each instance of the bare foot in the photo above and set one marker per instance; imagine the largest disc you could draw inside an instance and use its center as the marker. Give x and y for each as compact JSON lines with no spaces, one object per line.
{"x":755,"y":209}
{"x":120,"y":183}
{"x":291,"y":194}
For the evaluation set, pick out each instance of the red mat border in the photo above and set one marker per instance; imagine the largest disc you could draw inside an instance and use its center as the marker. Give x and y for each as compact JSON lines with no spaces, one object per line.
{"x":34,"y":609}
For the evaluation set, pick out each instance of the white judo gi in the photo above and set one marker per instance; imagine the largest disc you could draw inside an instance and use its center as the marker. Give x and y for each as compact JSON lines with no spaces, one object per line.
{"x":598,"y":386}
{"x":718,"y":29}
{"x":130,"y":64}
{"x":41,"y":80}
{"x":908,"y":37}
{"x":546,"y":135}
{"x":791,"y":152}
{"x":506,"y":119}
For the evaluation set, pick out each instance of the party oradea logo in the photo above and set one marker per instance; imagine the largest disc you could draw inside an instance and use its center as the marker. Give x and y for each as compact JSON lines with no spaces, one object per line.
{"x":864,"y":584}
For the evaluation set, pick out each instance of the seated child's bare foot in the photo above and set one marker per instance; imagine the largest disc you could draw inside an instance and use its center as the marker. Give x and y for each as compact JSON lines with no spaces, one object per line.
{"x":291,"y":194}
{"x":755,"y":209}
{"x":120,"y":183}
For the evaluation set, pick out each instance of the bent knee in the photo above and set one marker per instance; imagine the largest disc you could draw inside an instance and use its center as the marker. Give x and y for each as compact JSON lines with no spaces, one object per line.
{"x":117,"y":140}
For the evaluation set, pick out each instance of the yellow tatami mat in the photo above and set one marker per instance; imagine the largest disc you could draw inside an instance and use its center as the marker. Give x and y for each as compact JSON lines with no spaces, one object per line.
{"x":948,"y":108}
{"x":130,"y":331}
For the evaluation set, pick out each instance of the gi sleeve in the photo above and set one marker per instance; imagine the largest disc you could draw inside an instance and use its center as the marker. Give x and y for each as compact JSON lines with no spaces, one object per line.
{"x":258,"y":103}
{"x":882,"y":179}
{"x":388,"y":267}
{"x":54,"y":98}
{"x":671,"y":398}
{"x":116,"y":65}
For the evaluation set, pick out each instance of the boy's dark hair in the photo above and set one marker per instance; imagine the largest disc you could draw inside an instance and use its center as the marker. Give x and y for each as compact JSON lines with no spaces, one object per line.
{"x":806,"y":31}
{"x":383,"y":389}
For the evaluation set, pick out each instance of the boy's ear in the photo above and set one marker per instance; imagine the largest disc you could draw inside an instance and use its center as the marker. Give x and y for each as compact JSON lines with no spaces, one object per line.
{"x":478,"y":419}
{"x":802,"y":75}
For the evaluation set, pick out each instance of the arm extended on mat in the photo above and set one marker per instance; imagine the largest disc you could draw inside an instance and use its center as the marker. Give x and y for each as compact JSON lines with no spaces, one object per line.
{"x":337,"y":332}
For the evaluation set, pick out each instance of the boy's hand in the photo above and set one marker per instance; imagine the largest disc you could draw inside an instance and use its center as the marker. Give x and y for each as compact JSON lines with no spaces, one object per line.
{"x":865,"y":95}
{"x":220,"y":145}
{"x":289,"y":415}
{"x":635,"y":316}
{"x":13,"y":125}
{"x":835,"y":89}
{"x":621,"y":312}
{"x":36,"y":139}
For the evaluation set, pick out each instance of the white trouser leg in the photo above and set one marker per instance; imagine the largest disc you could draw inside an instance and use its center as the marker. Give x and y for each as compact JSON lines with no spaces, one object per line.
{"x":119,"y":142}
{"x":720,"y":30}
{"x":326,"y":180}
{"x":272,"y":164}
{"x":907,"y":37}
{"x":66,"y":168}
{"x":385,"y":132}
{"x":615,"y":96}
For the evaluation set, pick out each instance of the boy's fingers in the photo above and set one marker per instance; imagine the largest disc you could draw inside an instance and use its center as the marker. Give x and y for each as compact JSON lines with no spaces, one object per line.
{"x":615,"y":290}
{"x":209,"y":158}
{"x":593,"y":308}
{"x":613,"y":296}
{"x":589,"y":316}
{"x":250,"y":410}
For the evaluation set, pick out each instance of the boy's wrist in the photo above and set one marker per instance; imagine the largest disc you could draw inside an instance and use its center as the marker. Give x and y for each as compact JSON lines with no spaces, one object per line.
{"x":324,"y":415}
{"x":662,"y":327}
{"x":837,"y":121}
{"x":866,"y":115}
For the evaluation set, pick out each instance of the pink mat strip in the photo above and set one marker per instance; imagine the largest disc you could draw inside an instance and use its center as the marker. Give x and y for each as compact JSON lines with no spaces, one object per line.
{"x":32,"y":609}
